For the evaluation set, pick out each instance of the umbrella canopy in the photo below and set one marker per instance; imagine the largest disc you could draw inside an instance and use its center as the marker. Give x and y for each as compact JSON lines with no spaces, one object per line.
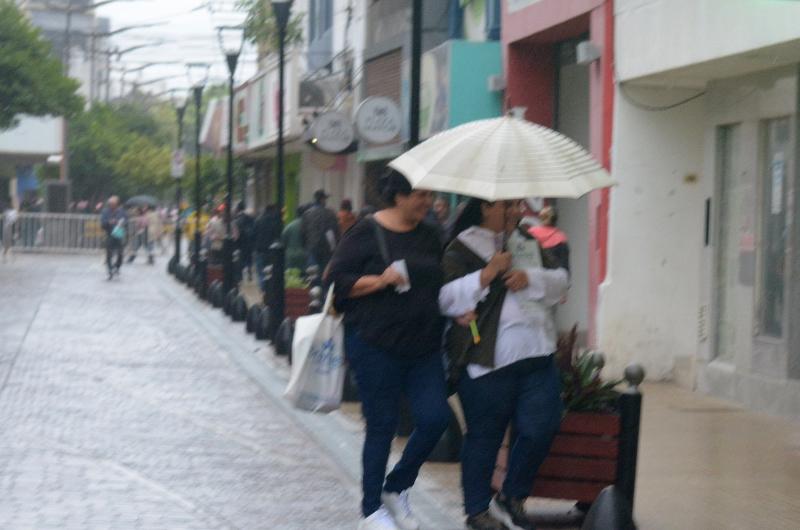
{"x":141,"y":200}
{"x":502,"y":158}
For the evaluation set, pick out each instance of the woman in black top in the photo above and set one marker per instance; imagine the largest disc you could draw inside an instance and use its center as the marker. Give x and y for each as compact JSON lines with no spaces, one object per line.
{"x":393,"y":333}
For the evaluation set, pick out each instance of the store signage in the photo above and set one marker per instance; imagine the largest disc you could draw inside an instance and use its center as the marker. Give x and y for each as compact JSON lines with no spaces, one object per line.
{"x":378,"y":120}
{"x":178,"y":163}
{"x":332,"y":132}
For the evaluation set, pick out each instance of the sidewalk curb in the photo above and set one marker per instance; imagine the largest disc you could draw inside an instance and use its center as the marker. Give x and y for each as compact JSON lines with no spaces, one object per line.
{"x":333,"y":433}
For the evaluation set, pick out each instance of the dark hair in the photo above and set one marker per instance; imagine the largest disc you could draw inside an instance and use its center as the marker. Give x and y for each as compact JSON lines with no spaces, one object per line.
{"x":240,"y":206}
{"x":347,"y":205}
{"x":471,"y":215}
{"x":391,"y":184}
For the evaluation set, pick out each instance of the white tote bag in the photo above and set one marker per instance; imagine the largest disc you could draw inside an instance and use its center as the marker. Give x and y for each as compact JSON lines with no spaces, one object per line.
{"x":318,"y":369}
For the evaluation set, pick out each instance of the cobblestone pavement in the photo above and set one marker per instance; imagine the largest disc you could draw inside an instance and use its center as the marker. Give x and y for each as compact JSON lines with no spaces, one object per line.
{"x":121,"y":409}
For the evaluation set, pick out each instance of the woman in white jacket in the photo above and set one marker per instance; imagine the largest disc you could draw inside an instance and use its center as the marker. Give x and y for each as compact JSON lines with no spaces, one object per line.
{"x":501,"y":357}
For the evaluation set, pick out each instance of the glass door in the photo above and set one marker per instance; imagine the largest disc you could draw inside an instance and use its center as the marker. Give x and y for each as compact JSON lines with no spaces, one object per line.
{"x":735,"y":248}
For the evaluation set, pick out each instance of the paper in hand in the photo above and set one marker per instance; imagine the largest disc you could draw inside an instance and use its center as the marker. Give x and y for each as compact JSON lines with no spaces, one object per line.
{"x":402,"y":269}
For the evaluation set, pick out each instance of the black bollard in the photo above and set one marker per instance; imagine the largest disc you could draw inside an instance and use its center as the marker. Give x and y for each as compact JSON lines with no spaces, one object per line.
{"x":239,"y":313}
{"x":253,"y":317}
{"x":610,"y":511}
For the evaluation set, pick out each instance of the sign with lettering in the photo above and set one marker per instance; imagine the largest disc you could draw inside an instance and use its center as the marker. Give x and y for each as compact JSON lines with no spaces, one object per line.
{"x":332,"y":132}
{"x":378,"y":120}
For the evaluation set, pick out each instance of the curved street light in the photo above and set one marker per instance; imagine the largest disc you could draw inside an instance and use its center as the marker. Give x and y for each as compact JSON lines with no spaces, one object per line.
{"x":197,"y":74}
{"x":231,"y":42}
{"x":282,"y":10}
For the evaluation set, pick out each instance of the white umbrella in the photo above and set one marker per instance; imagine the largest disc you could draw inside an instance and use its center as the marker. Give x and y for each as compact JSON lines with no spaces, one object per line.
{"x":502,"y":158}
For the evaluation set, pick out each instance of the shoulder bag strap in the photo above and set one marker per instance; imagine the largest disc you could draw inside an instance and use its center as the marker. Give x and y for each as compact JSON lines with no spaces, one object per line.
{"x":381,"y":238}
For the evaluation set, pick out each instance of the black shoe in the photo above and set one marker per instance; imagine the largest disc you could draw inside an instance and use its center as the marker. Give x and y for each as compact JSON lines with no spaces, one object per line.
{"x":484,"y":521}
{"x":131,"y":258}
{"x":511,"y":512}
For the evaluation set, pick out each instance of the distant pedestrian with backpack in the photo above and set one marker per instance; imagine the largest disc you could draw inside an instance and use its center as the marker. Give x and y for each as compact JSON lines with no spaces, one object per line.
{"x":113,"y":221}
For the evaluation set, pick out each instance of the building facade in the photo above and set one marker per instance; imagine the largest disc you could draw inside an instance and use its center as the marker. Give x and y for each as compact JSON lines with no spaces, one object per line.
{"x":558,"y":59}
{"x":704,"y":260}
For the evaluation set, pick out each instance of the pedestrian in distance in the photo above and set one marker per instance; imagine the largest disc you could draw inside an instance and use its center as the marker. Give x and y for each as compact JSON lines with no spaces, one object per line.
{"x":214,"y":235}
{"x":500,"y":352}
{"x":267,"y":231}
{"x":552,"y":240}
{"x":139,"y":238}
{"x":320,"y":231}
{"x":345,"y":216}
{"x":114,"y":222}
{"x":386,"y":275}
{"x":292,"y":239}
{"x":9,"y":219}
{"x":245,"y":225}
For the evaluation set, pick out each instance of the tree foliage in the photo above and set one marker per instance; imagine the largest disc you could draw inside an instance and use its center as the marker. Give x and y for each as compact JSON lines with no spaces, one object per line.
{"x":260,"y":26}
{"x":32,"y":79}
{"x":125,"y":149}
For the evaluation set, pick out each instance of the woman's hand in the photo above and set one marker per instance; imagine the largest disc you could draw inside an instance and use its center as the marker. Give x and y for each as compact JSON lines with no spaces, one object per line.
{"x":499,"y":263}
{"x":391,"y":277}
{"x":466,"y":318}
{"x":516,"y":280}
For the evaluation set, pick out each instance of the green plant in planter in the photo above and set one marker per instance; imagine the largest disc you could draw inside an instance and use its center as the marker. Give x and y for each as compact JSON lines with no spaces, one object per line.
{"x":582,"y":388}
{"x":293,"y":279}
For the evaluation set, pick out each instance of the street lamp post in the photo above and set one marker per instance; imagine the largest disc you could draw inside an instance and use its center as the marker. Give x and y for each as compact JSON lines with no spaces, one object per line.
{"x":198,"y":75}
{"x":231,"y":41}
{"x":180,"y":110}
{"x":282,"y":9}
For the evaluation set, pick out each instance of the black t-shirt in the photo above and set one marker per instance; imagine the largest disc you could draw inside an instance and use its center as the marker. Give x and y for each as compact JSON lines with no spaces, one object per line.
{"x":407,"y":324}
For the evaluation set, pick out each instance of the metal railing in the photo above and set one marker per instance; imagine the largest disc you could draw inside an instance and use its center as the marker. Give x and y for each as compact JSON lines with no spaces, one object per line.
{"x":58,"y":232}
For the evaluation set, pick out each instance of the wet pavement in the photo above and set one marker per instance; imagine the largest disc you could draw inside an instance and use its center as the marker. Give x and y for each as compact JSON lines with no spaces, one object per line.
{"x":121,"y":408}
{"x":131,"y":404}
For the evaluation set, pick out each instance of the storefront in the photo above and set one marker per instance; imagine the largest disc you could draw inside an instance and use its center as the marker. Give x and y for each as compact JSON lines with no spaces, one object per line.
{"x":558,"y":58}
{"x":704,"y":264}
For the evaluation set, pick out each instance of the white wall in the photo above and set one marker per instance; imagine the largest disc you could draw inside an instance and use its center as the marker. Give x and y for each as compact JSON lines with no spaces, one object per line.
{"x":648,"y":305}
{"x":659,"y":35}
{"x":33,"y":136}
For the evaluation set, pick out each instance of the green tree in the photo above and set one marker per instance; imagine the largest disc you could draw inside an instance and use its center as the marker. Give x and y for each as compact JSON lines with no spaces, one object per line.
{"x":260,"y":26}
{"x":32,"y":79}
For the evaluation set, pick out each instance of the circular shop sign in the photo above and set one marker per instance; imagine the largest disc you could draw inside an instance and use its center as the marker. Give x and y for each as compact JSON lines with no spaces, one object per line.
{"x":378,"y":120}
{"x":332,"y":132}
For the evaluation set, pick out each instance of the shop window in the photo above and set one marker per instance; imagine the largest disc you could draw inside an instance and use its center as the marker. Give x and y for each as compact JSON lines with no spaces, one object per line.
{"x":775,"y":223}
{"x":735,"y":248}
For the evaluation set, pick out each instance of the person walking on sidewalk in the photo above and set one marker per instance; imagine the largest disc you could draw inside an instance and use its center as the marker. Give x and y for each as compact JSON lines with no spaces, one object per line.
{"x":9,"y":219}
{"x":114,"y":221}
{"x":244,"y":227}
{"x":320,"y":230}
{"x":387,"y":274}
{"x":501,"y":360}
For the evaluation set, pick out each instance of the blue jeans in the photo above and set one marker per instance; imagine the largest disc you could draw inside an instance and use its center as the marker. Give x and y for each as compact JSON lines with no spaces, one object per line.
{"x":382,"y":378}
{"x":526,"y":394}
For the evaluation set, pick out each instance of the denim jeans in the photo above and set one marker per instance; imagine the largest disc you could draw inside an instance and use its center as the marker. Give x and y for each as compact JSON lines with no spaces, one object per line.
{"x":382,"y":378}
{"x":526,"y":394}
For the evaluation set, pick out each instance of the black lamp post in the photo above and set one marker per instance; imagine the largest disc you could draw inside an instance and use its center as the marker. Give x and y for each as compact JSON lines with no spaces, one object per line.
{"x":282,"y":10}
{"x":198,"y":75}
{"x":180,"y":111}
{"x":231,"y":41}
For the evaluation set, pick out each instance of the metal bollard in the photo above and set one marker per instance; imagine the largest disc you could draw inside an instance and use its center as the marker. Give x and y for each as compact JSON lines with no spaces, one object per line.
{"x":630,"y":406}
{"x":275,"y":296}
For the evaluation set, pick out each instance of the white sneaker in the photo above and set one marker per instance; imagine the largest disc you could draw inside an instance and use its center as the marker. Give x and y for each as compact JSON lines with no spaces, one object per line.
{"x":380,"y":520}
{"x":399,"y":507}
